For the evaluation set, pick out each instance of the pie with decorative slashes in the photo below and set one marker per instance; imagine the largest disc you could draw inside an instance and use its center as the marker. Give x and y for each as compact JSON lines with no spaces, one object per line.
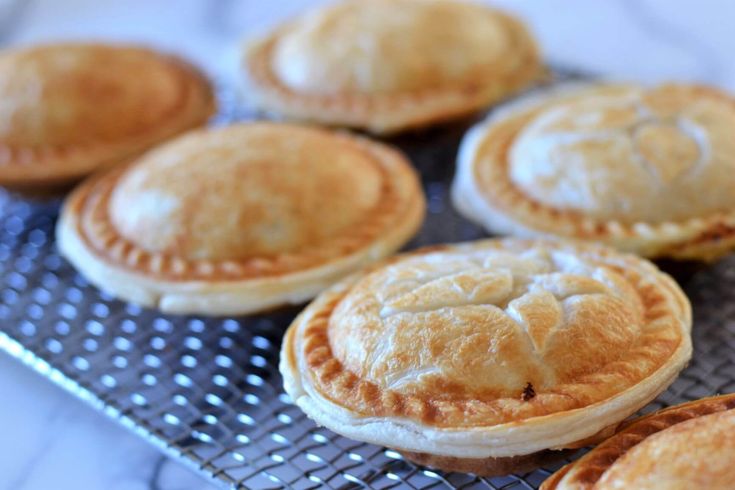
{"x":646,"y":170}
{"x":479,"y":357}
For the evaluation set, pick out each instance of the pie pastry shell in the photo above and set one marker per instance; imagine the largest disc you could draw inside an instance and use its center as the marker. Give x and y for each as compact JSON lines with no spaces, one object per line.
{"x":648,"y":170}
{"x":483,"y":356}
{"x":241,"y":219}
{"x":390,"y":65}
{"x":73,"y":108}
{"x":681,"y":447}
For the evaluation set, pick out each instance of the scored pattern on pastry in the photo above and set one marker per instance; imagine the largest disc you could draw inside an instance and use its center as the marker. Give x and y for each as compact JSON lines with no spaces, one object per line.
{"x":587,"y":472}
{"x":95,"y":224}
{"x":54,"y":113}
{"x":615,"y":162}
{"x":456,"y":340}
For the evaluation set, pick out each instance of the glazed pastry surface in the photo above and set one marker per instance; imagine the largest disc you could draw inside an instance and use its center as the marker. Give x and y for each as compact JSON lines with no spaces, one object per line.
{"x":270,"y":192}
{"x":630,"y":154}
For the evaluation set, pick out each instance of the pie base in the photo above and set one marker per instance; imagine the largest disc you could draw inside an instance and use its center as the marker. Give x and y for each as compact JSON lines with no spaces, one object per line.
{"x":486,"y":466}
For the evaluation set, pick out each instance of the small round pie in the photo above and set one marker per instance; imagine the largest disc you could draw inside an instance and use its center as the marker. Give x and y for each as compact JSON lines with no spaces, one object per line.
{"x":240,"y":219}
{"x":390,"y":65}
{"x":69,"y":109}
{"x":684,"y":447}
{"x":646,"y":170}
{"x":480,"y":356}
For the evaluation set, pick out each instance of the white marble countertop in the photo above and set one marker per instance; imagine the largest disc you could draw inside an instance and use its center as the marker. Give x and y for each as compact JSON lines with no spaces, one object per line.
{"x":50,"y":439}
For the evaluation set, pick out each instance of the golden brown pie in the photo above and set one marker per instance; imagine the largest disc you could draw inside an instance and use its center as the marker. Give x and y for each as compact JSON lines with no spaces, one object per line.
{"x":479,"y":356}
{"x":69,"y":109}
{"x":647,"y":170}
{"x":240,"y":219}
{"x":389,"y":65}
{"x":684,"y":447}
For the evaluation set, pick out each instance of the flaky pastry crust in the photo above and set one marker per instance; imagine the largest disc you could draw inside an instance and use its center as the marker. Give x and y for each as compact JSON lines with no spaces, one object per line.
{"x":241,"y":219}
{"x":682,"y":447}
{"x":492,"y":349}
{"x":390,"y":65}
{"x":72,"y":108}
{"x":646,"y":170}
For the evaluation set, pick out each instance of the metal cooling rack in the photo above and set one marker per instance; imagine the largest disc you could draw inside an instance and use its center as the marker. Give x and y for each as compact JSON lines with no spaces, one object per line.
{"x":208,"y":392}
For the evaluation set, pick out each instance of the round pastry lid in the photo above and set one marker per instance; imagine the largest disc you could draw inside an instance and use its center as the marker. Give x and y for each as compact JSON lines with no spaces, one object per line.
{"x":71,"y":108}
{"x":488,"y":349}
{"x":272,"y":213}
{"x":682,"y":447}
{"x":649,"y":170}
{"x":389,"y":64}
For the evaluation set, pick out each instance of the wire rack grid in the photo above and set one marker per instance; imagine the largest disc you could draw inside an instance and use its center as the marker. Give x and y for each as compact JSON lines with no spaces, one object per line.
{"x":207,"y":391}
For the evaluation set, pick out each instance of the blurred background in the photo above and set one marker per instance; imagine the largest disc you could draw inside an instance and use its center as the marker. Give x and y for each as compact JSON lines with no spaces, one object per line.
{"x":642,"y":39}
{"x":50,"y":439}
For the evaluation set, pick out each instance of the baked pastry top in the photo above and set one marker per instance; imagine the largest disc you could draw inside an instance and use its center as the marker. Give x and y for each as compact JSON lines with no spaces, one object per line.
{"x":71,"y":108}
{"x":648,"y":170}
{"x":680,"y":448}
{"x":488,"y":349}
{"x":386,"y":65}
{"x":271,"y":212}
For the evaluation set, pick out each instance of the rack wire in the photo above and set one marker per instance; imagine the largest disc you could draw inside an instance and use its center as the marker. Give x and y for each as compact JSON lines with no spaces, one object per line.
{"x":207,"y":391}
